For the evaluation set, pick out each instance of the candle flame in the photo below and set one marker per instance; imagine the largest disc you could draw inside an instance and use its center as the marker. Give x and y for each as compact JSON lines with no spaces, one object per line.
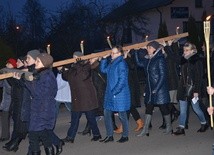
{"x":48,"y":45}
{"x":208,"y":17}
{"x":178,"y":27}
{"x":108,"y":37}
{"x":82,"y":42}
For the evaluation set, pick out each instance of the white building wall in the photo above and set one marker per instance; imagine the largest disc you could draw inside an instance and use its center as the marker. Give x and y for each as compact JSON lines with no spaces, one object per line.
{"x":172,"y":23}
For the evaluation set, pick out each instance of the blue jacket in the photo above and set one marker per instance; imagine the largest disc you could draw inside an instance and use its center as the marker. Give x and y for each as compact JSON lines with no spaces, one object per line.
{"x":43,"y":106}
{"x":156,"y":91}
{"x":117,"y":94}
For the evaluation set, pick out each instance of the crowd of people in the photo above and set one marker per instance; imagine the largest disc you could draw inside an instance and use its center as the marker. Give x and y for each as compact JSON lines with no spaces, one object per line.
{"x":102,"y":87}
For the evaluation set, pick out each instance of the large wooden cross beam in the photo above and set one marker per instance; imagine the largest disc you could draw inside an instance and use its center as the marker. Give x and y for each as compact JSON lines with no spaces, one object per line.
{"x":100,"y":54}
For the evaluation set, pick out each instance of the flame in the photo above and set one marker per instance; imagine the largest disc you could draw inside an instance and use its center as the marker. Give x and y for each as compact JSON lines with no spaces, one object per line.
{"x":177,"y":27}
{"x":48,"y":45}
{"x":82,"y":41}
{"x":208,"y":17}
{"x":108,"y":37}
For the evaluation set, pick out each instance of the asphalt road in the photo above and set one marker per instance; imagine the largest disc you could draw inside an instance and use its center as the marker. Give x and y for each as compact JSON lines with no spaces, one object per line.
{"x":157,"y":143}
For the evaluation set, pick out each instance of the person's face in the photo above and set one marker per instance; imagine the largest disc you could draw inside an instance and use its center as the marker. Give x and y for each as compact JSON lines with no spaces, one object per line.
{"x":19,"y":63}
{"x":38,"y":64}
{"x":187,"y":51}
{"x":203,"y":48}
{"x":115,"y":53}
{"x":150,"y":50}
{"x":9,"y":65}
{"x":30,"y":61}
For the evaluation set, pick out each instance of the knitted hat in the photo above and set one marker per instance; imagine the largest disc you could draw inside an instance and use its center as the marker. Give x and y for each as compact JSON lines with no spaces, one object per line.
{"x":33,"y":53}
{"x":78,"y":54}
{"x":12,"y":62}
{"x":154,"y":44}
{"x":46,"y":59}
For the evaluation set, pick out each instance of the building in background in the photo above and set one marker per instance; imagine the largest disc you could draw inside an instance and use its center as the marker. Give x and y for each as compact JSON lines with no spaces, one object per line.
{"x":138,"y":20}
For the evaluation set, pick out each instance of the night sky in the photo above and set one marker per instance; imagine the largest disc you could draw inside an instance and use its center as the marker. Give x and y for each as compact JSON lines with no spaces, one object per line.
{"x":51,"y":5}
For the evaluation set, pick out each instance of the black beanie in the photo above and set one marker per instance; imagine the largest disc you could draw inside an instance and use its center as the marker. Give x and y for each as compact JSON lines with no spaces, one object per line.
{"x":154,"y":44}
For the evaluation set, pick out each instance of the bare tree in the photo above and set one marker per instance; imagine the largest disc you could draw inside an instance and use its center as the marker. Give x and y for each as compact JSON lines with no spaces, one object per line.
{"x":33,"y":24}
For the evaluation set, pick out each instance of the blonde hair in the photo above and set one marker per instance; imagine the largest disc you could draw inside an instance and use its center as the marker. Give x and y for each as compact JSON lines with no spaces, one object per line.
{"x":190,"y":46}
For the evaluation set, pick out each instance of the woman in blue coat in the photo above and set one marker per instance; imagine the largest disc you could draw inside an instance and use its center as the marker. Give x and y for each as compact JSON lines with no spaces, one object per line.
{"x":43,"y":89}
{"x":117,"y":94}
{"x":156,"y":91}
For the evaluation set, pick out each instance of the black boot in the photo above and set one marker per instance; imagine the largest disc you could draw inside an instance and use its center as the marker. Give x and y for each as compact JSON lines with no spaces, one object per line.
{"x":59,"y":147}
{"x":123,"y":139}
{"x":113,"y":122}
{"x":86,"y":131}
{"x":175,"y":113}
{"x":14,"y":146}
{"x":179,"y":131}
{"x":163,"y":126}
{"x":49,"y":151}
{"x":8,"y":143}
{"x":107,"y":139}
{"x":96,"y":138}
{"x":203,"y":128}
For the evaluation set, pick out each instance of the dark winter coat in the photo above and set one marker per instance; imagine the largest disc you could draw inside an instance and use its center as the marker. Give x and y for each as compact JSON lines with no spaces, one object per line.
{"x":134,"y":84}
{"x":191,"y":68}
{"x":6,"y":95}
{"x":156,"y":91}
{"x":172,"y":60}
{"x":99,"y":80}
{"x":17,"y":96}
{"x":43,"y":107}
{"x":117,"y":94}
{"x":84,"y":97}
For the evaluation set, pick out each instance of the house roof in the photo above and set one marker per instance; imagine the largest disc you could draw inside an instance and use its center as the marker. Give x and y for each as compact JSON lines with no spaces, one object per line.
{"x":133,"y":7}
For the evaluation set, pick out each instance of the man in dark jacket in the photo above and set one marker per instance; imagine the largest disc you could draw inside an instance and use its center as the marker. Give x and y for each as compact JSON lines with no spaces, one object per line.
{"x":84,"y":98}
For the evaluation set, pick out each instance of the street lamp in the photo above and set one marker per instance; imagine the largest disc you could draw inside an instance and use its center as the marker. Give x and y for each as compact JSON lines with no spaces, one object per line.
{"x":17,"y":28}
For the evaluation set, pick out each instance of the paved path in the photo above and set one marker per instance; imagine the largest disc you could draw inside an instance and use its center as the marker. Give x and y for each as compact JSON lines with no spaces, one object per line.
{"x":156,"y":144}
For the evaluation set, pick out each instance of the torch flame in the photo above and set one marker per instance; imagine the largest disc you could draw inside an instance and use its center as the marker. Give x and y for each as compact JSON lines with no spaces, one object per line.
{"x":208,"y":18}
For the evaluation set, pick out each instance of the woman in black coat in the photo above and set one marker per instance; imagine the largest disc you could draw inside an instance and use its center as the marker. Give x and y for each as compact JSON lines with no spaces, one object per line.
{"x":189,"y":89}
{"x":156,"y":91}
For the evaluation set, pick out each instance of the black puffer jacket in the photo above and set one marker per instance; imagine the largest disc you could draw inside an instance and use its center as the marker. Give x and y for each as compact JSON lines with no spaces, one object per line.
{"x":156,"y":91}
